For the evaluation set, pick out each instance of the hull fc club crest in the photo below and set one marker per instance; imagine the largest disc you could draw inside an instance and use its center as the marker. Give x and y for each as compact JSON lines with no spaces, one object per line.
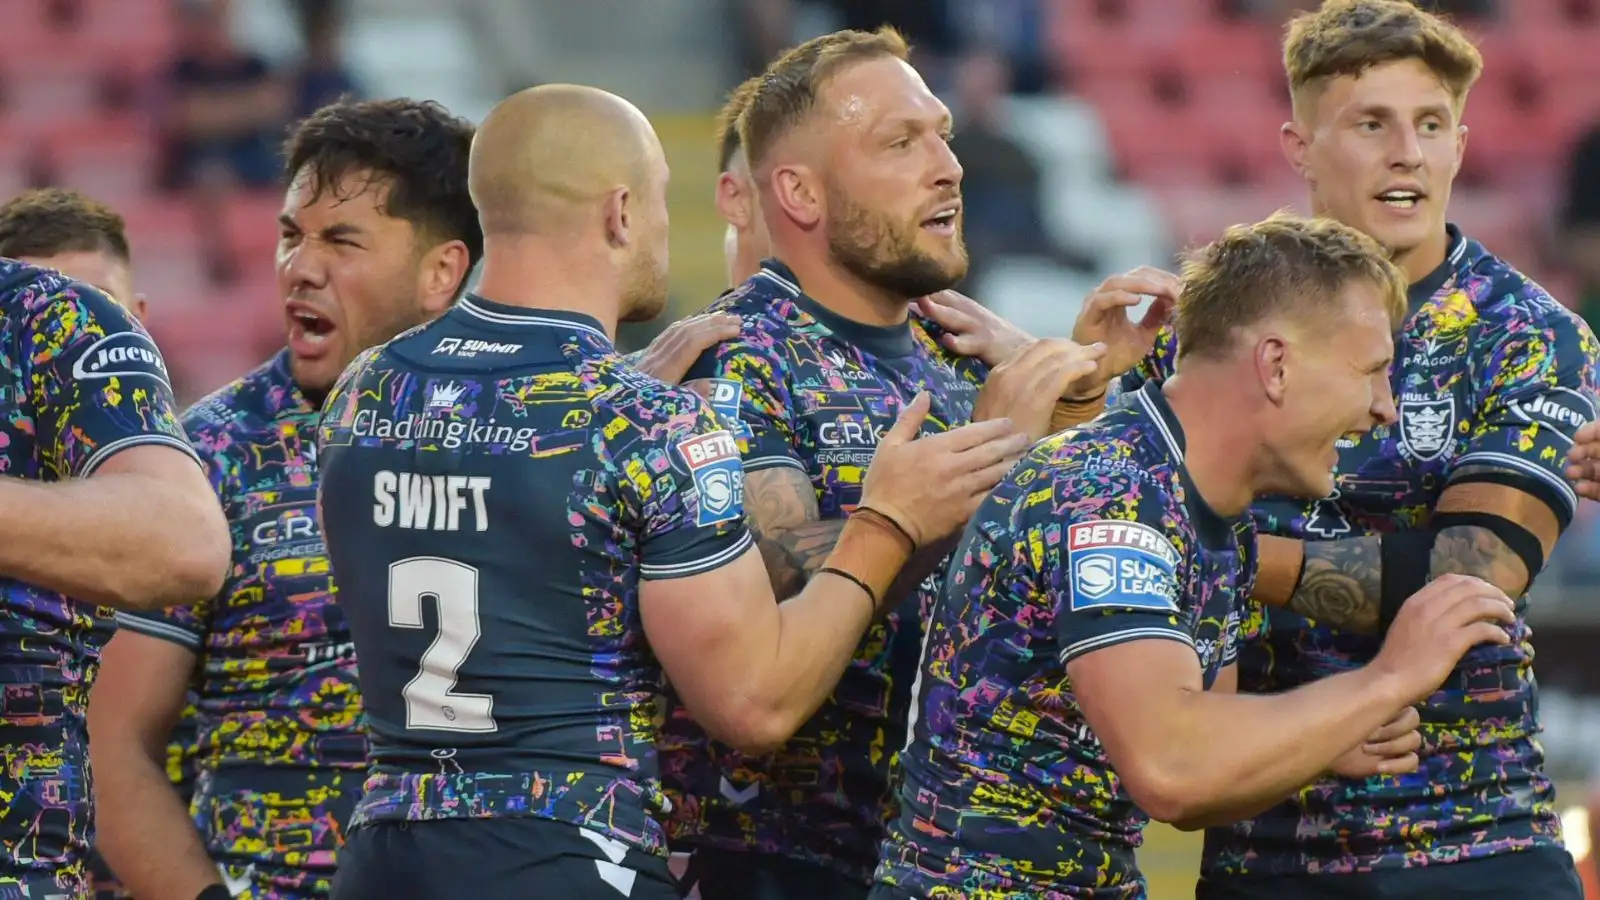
{"x":1426,"y":426}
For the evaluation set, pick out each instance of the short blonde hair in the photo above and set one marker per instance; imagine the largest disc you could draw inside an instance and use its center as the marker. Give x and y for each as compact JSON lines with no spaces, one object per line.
{"x":787,"y":91}
{"x":1347,"y":37}
{"x":1286,"y":262}
{"x":728,"y":121}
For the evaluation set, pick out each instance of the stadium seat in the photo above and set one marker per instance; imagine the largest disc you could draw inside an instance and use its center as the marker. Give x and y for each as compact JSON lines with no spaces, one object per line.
{"x":251,"y":223}
{"x":108,"y":158}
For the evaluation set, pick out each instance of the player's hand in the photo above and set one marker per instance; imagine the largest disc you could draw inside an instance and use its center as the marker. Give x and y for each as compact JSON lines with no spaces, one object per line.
{"x":1583,"y":461}
{"x":674,"y":350}
{"x":1391,"y":750}
{"x":1026,"y":386}
{"x":1104,"y":318}
{"x":932,"y":485}
{"x":971,"y":329}
{"x":1437,"y":626}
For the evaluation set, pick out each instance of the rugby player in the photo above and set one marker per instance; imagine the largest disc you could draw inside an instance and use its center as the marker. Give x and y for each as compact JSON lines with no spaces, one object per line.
{"x":1078,"y":669}
{"x":56,"y":228}
{"x":105,"y":509}
{"x":861,"y":198}
{"x":377,"y":234}
{"x":745,"y":243}
{"x":1493,"y":379}
{"x":529,"y":534}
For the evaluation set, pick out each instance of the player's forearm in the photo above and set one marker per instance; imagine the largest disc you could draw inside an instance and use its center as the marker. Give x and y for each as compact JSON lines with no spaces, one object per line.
{"x":1071,"y":413}
{"x":1341,"y":583}
{"x":1229,"y":756}
{"x":818,"y":632}
{"x":143,"y":830}
{"x":121,"y":539}
{"x":793,"y":555}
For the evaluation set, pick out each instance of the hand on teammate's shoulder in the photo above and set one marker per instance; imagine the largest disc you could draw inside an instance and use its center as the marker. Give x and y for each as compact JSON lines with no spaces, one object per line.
{"x":675,"y":350}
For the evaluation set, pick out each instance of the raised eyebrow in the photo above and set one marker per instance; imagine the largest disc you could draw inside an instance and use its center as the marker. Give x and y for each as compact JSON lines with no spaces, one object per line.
{"x":287,"y":221}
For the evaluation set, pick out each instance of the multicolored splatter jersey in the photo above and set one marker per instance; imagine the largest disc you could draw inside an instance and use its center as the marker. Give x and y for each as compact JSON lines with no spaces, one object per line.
{"x":813,"y":391}
{"x":1490,"y":372}
{"x":496,"y":485}
{"x":279,"y":748}
{"x":1097,"y":538}
{"x":80,"y":380}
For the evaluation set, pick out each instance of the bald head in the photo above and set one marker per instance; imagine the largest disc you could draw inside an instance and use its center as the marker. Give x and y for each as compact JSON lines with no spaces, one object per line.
{"x":548,"y":158}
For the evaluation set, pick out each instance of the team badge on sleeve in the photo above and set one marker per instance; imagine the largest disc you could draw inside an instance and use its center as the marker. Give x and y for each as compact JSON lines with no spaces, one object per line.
{"x":1121,"y":565}
{"x":713,"y":461}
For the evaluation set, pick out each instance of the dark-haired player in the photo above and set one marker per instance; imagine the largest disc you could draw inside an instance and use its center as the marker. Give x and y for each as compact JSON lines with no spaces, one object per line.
{"x":1493,"y":379}
{"x":1077,"y":674}
{"x":377,"y":235}
{"x":530,"y":534}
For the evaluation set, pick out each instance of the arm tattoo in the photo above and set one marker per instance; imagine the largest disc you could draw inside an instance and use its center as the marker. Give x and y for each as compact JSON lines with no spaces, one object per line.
{"x":788,"y":527}
{"x":795,"y":540}
{"x":1343,"y":581}
{"x":1342,"y":584}
{"x":1469,"y":550}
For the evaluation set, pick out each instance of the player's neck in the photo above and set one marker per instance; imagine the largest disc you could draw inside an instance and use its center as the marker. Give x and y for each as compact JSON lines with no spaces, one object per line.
{"x":1206,"y":405}
{"x":1422,"y":260}
{"x":537,"y":273}
{"x":831,"y":285}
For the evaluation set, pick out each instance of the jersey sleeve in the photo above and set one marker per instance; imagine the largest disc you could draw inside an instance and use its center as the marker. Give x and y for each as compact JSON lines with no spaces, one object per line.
{"x":185,"y":626}
{"x":692,"y":518}
{"x":745,"y":380}
{"x":1158,"y":365}
{"x":1536,"y":388}
{"x":1110,"y":571}
{"x":97,"y":384}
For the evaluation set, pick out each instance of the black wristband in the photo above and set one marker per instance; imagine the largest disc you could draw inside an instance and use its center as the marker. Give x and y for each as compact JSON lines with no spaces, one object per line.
{"x":214,"y":892}
{"x":892,"y":524}
{"x":871,"y":595}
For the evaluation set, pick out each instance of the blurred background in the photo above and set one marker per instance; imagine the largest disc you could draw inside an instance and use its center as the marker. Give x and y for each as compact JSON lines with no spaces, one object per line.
{"x":1097,"y":135}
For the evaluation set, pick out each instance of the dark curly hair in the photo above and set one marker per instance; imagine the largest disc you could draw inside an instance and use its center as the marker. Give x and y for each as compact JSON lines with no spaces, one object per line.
{"x":52,"y":221}
{"x":416,"y":146}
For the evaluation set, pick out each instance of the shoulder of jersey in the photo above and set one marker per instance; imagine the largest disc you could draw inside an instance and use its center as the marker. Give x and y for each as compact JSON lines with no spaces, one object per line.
{"x":1507,"y":298}
{"x":753,"y":302}
{"x":231,"y":405}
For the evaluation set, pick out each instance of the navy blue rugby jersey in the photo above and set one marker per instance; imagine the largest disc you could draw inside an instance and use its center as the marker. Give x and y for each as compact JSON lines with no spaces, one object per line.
{"x":804,"y":388}
{"x":1490,"y":372}
{"x":1097,"y":538}
{"x":80,"y":380}
{"x":495,"y":486}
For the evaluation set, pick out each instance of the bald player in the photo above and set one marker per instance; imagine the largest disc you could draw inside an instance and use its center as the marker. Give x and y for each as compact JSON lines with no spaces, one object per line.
{"x":529,"y":534}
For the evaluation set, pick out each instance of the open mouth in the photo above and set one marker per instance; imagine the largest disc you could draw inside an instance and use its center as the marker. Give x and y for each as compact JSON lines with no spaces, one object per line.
{"x":943,"y":222}
{"x":1401,"y":200}
{"x":309,"y":331}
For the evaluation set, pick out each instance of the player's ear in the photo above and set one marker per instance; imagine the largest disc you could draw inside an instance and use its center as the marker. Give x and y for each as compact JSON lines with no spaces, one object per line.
{"x":733,"y":202}
{"x":1461,"y":148}
{"x":618,"y":217}
{"x":443,"y":269}
{"x":1271,"y":364}
{"x":795,"y":190}
{"x":140,"y":307}
{"x":1292,"y":140}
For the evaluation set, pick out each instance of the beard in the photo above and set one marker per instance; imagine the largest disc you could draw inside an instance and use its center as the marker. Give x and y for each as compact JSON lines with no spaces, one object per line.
{"x":884,"y":254}
{"x":646,"y":291}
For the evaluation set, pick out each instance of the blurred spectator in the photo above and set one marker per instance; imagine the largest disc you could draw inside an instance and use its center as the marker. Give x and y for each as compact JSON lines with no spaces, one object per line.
{"x":1580,"y":224}
{"x":323,"y":77}
{"x":1000,"y":190}
{"x":1016,"y":30}
{"x":772,"y":26}
{"x":227,"y":109}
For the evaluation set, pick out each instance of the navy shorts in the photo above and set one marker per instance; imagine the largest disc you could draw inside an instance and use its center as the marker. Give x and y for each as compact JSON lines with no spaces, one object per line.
{"x":494,"y":859}
{"x":722,"y":875}
{"x":1544,"y":873}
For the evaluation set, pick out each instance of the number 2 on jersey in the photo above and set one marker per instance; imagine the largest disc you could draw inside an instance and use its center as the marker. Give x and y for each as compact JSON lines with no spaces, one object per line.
{"x":431,"y":700}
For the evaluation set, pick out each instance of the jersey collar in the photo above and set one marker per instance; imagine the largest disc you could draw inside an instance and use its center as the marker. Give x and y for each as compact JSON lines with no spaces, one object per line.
{"x":1214,"y":529}
{"x":505,"y":315}
{"x":882,"y":341}
{"x":1462,"y":255}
